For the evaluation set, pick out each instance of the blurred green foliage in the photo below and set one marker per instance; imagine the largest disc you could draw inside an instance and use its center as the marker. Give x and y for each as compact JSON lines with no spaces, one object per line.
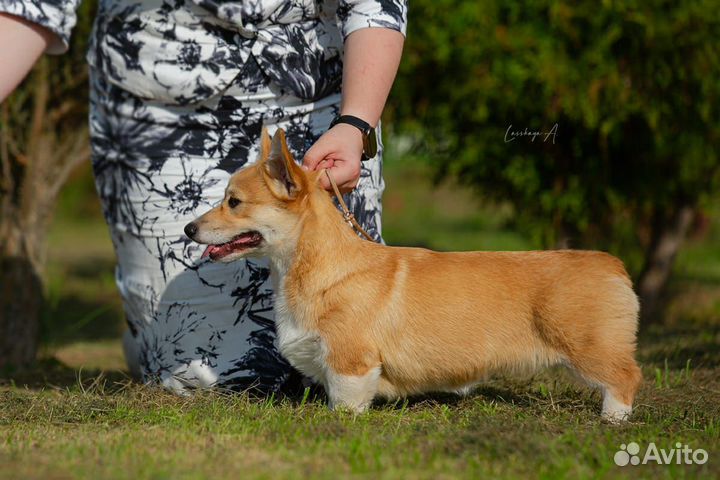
{"x":633,"y":87}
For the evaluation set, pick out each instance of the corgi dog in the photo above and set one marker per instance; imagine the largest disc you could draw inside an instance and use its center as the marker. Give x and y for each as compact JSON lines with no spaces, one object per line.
{"x":368,"y":320}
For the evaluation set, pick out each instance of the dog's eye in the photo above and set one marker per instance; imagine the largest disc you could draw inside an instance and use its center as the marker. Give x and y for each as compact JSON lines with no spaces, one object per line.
{"x":233,"y":202}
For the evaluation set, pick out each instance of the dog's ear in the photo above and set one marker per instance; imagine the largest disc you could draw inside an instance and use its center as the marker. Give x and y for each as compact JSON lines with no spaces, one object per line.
{"x":284,"y":176}
{"x":265,"y":145}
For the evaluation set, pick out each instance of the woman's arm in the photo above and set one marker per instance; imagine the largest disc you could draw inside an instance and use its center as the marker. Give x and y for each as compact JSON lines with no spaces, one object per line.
{"x":21,"y":44}
{"x":27,"y":29}
{"x":372,"y":56}
{"x":371,"y":60}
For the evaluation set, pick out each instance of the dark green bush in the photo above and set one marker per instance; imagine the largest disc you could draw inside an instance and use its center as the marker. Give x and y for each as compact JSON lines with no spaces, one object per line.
{"x":634,"y":88}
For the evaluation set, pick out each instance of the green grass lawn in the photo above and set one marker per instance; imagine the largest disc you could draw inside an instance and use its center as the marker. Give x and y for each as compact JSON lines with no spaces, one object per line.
{"x":76,"y":415}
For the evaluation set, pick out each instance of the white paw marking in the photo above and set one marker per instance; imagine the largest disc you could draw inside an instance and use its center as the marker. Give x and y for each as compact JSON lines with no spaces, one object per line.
{"x":613,"y":409}
{"x":354,"y":392}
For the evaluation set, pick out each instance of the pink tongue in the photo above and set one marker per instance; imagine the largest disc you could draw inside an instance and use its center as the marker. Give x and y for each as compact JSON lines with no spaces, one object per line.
{"x":227,"y":248}
{"x":217,"y":250}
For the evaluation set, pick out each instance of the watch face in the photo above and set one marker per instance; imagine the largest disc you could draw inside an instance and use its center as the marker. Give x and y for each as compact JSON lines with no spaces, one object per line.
{"x":370,"y":145}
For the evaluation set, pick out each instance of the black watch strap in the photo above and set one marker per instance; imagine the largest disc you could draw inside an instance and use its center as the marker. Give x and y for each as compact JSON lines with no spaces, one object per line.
{"x":368,"y":133}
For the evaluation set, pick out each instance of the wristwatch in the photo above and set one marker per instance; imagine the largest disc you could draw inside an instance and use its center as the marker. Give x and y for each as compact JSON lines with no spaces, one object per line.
{"x":370,"y":145}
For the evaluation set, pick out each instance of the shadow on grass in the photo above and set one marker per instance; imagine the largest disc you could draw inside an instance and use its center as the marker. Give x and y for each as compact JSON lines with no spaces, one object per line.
{"x":52,"y":374}
{"x":91,"y":268}
{"x":697,"y":344}
{"x":84,"y":305}
{"x":488,"y":393}
{"x":73,"y":318}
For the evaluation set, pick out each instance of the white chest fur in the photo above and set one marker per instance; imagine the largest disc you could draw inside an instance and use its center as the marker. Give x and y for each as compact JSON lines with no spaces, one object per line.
{"x":304,"y":349}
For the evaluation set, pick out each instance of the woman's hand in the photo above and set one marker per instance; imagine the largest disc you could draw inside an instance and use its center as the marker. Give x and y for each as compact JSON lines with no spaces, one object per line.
{"x":339,"y":150}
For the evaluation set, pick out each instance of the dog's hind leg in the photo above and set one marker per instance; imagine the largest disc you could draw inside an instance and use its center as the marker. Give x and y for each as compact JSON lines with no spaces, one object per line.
{"x":618,"y":378}
{"x":604,"y":358}
{"x":596,"y":336}
{"x":354,"y":392}
{"x":619,"y":390}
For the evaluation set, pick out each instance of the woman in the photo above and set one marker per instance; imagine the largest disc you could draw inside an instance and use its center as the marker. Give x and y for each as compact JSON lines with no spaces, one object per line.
{"x":180,"y":90}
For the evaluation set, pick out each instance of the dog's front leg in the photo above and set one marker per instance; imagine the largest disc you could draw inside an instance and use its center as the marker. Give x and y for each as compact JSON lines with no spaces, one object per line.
{"x":352,"y":392}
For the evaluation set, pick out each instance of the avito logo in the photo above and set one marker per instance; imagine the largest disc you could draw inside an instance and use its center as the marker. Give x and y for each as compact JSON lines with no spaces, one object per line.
{"x":629,"y":454}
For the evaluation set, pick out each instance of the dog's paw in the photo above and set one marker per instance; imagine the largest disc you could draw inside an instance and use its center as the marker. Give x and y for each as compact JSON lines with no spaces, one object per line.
{"x":355,"y":408}
{"x":617,"y":416}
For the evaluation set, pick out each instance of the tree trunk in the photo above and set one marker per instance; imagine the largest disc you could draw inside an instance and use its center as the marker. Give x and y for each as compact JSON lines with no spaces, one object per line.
{"x":21,"y":299}
{"x":668,"y":236}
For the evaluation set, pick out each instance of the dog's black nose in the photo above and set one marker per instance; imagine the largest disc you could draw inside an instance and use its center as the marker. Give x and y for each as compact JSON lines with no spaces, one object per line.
{"x":190,"y":229}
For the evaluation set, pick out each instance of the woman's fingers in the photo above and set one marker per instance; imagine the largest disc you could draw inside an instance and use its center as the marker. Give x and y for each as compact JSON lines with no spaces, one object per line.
{"x":345,"y":174}
{"x":315,"y":155}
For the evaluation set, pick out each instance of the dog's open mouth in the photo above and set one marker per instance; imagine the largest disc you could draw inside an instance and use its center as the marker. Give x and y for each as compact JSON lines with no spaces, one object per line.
{"x":244,"y":241}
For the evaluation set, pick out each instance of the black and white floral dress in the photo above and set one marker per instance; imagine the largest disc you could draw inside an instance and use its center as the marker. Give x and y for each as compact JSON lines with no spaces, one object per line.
{"x":180,"y":90}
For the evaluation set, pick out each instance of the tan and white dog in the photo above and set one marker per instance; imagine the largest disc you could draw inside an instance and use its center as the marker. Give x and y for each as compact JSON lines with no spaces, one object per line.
{"x":369,"y":320}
